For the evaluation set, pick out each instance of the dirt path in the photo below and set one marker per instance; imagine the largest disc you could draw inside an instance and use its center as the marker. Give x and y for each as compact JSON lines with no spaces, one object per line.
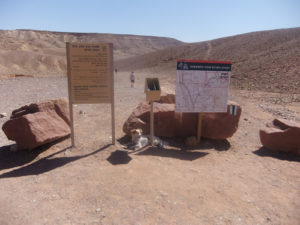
{"x":209,"y":48}
{"x":232,"y":182}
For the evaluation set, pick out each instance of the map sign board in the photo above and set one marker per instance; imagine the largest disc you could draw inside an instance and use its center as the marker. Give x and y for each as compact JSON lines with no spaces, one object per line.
{"x":90,"y":72}
{"x":202,"y":86}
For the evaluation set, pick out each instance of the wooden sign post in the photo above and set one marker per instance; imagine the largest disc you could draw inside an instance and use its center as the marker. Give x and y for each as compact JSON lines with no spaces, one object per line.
{"x":90,"y":77}
{"x":153,"y":92}
{"x":151,"y":123}
{"x":199,"y":128}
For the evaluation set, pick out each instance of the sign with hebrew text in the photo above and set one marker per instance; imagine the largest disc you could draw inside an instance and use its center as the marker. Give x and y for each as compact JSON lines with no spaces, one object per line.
{"x":89,"y":72}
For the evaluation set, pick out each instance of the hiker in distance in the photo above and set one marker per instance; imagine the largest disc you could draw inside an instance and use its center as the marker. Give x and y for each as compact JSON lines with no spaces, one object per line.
{"x":132,"y":79}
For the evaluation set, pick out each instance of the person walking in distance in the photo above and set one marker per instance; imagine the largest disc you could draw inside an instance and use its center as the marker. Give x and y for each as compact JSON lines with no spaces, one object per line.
{"x":132,"y":79}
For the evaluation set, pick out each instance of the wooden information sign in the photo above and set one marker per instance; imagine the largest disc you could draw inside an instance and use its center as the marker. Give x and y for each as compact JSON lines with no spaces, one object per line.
{"x":90,"y":71}
{"x":90,"y":76}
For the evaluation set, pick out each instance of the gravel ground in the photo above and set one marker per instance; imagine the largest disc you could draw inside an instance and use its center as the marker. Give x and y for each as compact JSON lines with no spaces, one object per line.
{"x":240,"y":184}
{"x":17,"y":92}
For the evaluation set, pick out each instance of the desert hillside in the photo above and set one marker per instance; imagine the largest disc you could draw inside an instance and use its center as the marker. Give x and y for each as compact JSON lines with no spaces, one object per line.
{"x":42,"y":53}
{"x":267,"y":61}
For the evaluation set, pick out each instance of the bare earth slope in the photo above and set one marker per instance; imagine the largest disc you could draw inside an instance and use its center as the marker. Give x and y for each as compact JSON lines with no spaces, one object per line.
{"x":267,"y":61}
{"x":42,"y":53}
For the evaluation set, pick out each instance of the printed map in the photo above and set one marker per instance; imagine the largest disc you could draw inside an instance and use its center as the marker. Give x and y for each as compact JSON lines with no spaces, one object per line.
{"x":201,"y":90}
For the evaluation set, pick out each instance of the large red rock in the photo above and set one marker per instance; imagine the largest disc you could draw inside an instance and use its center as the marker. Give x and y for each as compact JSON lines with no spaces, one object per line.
{"x":37,"y":124}
{"x":168,"y":123}
{"x":221,"y":125}
{"x":281,"y":135}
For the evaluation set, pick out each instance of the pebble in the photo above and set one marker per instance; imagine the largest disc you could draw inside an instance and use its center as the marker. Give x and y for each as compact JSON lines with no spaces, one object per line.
{"x":98,"y":210}
{"x":3,"y":115}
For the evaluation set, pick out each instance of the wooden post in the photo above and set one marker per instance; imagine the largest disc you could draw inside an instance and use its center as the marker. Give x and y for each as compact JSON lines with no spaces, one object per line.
{"x":70,"y":98}
{"x":200,"y":115}
{"x":151,"y":124}
{"x":113,"y":135}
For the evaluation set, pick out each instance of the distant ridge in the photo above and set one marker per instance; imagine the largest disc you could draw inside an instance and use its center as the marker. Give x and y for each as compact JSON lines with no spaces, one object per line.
{"x":265,"y":60}
{"x":42,"y":53}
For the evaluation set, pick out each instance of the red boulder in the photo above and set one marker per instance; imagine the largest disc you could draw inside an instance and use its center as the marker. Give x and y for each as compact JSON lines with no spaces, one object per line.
{"x":168,"y":123}
{"x":38,"y":124}
{"x":281,"y":135}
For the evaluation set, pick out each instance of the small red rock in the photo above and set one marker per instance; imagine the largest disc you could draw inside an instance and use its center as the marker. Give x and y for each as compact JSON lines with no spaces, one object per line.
{"x":281,"y":135}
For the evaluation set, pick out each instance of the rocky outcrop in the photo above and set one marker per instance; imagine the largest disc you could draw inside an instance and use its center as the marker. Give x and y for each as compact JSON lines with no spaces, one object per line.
{"x":221,"y":125}
{"x":281,"y":135}
{"x":168,"y":123}
{"x":37,"y":124}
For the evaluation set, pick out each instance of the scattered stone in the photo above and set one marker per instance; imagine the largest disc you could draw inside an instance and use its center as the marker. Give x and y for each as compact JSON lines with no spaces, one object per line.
{"x":37,"y":124}
{"x":279,"y":112}
{"x":98,"y":210}
{"x":281,"y":135}
{"x":168,"y":123}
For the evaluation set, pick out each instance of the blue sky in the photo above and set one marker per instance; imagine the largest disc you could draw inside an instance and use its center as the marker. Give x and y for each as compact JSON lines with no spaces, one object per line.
{"x":189,"y":20}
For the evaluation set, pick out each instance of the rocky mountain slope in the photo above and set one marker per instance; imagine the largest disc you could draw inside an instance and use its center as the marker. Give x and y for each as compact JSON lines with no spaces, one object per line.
{"x":42,"y":53}
{"x":268,"y":60}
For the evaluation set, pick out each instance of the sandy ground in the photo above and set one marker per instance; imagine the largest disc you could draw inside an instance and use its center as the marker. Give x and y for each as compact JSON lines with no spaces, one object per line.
{"x":217,"y":182}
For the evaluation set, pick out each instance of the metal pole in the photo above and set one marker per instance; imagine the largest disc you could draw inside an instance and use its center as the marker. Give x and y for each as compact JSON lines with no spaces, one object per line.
{"x":151,"y":124}
{"x":72,"y":123}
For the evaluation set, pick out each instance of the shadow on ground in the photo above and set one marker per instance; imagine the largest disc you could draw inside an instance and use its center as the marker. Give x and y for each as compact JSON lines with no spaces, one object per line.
{"x":177,"y":149}
{"x":10,"y":159}
{"x":204,"y":144}
{"x":119,"y":157}
{"x":172,"y":153}
{"x":125,"y":140}
{"x":46,"y":164}
{"x":264,"y":152}
{"x":178,"y":143}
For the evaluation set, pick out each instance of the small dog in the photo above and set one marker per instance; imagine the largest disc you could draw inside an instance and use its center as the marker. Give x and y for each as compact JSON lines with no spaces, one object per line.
{"x":139,"y":140}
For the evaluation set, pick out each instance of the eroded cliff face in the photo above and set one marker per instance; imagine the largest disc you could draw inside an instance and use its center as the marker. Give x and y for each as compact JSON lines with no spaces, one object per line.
{"x":42,"y":53}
